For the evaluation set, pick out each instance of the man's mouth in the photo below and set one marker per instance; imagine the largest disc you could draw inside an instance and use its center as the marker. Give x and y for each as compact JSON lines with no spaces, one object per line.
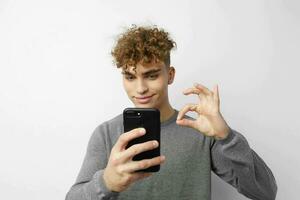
{"x":144,"y":99}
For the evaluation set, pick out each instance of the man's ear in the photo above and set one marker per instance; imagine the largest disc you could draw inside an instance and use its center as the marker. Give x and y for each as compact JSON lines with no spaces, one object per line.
{"x":171,"y":75}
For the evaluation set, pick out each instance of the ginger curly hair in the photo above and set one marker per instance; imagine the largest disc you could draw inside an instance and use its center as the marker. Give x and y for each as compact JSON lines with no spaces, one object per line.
{"x":142,"y":44}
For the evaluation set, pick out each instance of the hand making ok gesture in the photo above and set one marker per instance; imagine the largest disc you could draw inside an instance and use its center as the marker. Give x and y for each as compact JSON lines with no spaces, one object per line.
{"x":209,"y":121}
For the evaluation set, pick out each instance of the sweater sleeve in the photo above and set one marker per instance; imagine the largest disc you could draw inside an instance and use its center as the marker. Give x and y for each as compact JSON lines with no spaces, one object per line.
{"x":236,"y":163}
{"x":89,"y":184}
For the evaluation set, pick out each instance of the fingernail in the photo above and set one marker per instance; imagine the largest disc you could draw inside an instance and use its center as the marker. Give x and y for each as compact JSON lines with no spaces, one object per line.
{"x":163,"y":158}
{"x":155,"y":143}
{"x":142,"y":131}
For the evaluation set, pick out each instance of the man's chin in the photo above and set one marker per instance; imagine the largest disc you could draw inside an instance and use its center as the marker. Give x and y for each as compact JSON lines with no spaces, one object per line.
{"x":143,"y":105}
{"x":146,"y":105}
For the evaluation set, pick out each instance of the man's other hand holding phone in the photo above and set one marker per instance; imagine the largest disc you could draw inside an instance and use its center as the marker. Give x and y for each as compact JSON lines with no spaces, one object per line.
{"x":120,"y":173}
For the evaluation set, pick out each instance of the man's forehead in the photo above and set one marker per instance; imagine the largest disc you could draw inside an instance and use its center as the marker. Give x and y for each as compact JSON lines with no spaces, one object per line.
{"x":143,"y":68}
{"x":142,"y":72}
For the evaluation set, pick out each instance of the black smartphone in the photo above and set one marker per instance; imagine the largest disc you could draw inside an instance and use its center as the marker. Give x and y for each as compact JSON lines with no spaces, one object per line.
{"x":148,"y":118}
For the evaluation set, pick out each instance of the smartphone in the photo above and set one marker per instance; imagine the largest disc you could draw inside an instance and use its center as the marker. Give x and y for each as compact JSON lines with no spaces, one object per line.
{"x":148,"y":118}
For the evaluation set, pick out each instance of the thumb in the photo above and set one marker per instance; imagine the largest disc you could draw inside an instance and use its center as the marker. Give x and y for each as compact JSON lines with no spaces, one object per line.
{"x":186,"y":122}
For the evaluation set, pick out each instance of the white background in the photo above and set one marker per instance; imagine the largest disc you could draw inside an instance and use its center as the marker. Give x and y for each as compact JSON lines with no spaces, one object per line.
{"x":57,"y":81}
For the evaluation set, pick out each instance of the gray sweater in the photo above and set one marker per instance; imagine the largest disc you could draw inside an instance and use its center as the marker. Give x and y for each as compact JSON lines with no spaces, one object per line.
{"x":186,"y":172}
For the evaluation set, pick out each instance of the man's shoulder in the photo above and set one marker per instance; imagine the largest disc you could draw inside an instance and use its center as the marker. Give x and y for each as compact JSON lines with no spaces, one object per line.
{"x":112,"y":124}
{"x":118,"y":119}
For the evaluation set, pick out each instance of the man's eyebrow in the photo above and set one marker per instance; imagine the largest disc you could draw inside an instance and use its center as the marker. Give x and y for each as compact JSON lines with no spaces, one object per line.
{"x":152,"y":71}
{"x":126,"y":72}
{"x":144,"y":73}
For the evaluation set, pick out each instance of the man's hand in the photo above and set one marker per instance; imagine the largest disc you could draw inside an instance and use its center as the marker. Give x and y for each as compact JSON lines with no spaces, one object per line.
{"x":210,"y":121}
{"x":120,"y":173}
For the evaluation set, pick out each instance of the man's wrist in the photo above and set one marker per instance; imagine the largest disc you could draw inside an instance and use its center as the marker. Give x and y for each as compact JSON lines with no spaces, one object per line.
{"x":106,"y":182}
{"x":223,"y":135}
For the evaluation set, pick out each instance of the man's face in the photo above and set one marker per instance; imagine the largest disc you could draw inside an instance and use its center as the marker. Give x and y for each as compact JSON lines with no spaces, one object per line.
{"x":147,"y":86}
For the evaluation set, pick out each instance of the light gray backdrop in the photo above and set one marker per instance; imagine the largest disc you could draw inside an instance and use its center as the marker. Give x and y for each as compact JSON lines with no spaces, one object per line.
{"x":57,"y":81}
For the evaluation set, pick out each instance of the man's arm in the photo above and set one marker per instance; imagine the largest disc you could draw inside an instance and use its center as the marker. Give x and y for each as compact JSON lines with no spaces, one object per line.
{"x":108,"y":170}
{"x":236,"y":163}
{"x":89,"y":184}
{"x":232,"y":158}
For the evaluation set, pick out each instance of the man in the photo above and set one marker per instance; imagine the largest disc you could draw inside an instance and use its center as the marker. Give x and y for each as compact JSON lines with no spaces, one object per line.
{"x":190,"y":148}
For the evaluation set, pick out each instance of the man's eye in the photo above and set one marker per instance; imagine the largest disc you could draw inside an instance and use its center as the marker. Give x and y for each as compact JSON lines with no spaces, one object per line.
{"x":153,"y":76}
{"x":129,"y":77}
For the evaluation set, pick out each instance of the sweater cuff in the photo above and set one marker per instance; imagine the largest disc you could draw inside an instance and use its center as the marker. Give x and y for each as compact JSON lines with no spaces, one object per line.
{"x":229,"y":137}
{"x":101,"y":189}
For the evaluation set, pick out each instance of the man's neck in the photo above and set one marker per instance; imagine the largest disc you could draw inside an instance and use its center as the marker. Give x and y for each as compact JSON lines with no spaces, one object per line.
{"x":166,"y":112}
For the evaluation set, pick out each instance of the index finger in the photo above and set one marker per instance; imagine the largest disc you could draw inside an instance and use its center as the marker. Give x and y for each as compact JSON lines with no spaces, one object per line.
{"x":196,"y":91}
{"x":128,"y":136}
{"x":203,"y":88}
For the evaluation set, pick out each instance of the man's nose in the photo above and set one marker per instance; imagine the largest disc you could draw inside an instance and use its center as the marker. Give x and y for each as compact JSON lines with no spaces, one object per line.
{"x":142,"y":87}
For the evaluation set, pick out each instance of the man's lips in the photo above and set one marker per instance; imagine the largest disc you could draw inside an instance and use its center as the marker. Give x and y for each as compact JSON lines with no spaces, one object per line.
{"x":144,"y":99}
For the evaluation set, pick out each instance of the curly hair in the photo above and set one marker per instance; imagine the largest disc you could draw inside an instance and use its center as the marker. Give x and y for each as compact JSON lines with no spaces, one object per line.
{"x":142,"y":44}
